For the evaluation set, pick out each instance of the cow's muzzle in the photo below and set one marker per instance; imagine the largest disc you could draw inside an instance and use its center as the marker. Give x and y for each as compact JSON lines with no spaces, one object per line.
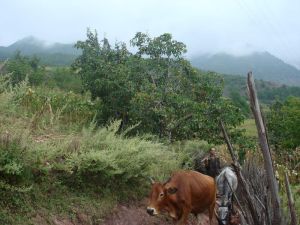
{"x":150,"y":211}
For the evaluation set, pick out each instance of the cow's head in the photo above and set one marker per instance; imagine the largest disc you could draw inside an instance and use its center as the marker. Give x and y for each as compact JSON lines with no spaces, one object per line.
{"x":159,"y":198}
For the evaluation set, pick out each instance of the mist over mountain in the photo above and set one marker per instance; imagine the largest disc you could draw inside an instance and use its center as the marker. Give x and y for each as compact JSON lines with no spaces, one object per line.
{"x":50,"y":54}
{"x":264,"y":66}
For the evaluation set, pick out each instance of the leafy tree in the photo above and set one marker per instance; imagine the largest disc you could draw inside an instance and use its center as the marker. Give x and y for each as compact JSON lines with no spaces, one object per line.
{"x":104,"y":72}
{"x":155,"y":87}
{"x":240,"y":102}
{"x":65,"y":79}
{"x":21,"y":66}
{"x":178,"y":102}
{"x":284,"y":124}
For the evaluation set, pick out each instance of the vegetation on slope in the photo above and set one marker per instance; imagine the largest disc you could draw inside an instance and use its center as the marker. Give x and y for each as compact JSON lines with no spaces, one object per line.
{"x":61,"y":154}
{"x":156,"y":87}
{"x":53,"y":160}
{"x":268,"y":93}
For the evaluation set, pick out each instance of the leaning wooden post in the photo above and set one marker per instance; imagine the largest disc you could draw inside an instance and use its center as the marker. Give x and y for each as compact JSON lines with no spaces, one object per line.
{"x":241,"y":178}
{"x":290,"y":200}
{"x":277,"y":220}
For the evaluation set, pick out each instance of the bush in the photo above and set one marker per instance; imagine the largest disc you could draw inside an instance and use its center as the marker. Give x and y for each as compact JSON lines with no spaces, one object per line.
{"x":111,"y":160}
{"x":20,"y":67}
{"x":190,"y":150}
{"x":63,"y":78}
{"x":49,"y":106}
{"x":14,"y":164}
{"x":283,"y":122}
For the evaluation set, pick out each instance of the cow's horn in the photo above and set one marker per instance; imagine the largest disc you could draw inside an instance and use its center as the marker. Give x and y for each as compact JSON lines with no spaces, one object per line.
{"x":151,"y":179}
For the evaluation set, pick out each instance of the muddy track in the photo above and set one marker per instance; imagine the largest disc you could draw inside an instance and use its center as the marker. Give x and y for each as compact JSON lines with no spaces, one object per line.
{"x":135,"y":214}
{"x":123,"y":214}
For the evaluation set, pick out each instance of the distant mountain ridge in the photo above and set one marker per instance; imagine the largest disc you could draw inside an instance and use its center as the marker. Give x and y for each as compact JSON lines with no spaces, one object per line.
{"x":53,"y":54}
{"x":264,"y":66}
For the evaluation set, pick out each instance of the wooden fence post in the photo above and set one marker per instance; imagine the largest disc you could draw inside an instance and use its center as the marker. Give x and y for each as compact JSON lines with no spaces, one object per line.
{"x":272,"y":184}
{"x":242,"y":181}
{"x":290,"y":200}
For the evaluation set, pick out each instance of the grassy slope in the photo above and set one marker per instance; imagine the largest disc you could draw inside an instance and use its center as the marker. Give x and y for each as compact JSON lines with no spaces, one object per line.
{"x":50,"y":199}
{"x":249,"y":126}
{"x":49,"y":192}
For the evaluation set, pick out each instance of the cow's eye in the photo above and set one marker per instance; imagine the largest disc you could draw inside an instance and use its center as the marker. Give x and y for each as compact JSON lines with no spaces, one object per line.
{"x":161,"y":195}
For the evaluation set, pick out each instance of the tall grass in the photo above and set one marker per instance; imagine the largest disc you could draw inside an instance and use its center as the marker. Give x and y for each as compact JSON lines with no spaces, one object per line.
{"x":51,"y":149}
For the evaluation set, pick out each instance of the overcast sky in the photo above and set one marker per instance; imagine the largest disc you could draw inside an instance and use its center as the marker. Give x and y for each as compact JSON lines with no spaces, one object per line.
{"x":205,"y":26}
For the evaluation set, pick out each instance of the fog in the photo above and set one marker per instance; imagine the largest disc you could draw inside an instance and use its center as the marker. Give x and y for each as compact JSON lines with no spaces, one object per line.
{"x":232,"y":26}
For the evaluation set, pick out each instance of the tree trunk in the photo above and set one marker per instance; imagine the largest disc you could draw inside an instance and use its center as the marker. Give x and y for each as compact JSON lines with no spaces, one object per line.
{"x":277,"y":220}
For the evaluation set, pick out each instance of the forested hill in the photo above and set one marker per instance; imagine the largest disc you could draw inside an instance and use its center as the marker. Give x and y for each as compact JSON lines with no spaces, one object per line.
{"x":268,"y":91}
{"x":54,"y":54}
{"x":264,"y":66}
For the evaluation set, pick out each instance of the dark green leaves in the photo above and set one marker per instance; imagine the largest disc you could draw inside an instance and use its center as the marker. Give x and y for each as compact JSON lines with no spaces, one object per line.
{"x":155,"y":87}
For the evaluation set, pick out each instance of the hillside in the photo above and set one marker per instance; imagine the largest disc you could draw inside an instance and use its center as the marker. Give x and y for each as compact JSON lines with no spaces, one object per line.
{"x":267,"y":91}
{"x":263,"y":65}
{"x":55,"y":54}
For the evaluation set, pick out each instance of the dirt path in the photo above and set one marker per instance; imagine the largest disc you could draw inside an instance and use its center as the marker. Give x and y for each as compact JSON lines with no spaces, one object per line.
{"x":135,"y":214}
{"x":122,"y":214}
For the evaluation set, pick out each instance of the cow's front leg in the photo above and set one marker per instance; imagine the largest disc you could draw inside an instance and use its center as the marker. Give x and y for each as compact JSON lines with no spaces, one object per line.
{"x":184,"y":218}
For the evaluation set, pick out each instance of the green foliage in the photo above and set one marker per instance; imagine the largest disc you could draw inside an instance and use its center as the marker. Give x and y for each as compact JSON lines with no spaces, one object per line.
{"x":155,"y":87}
{"x":190,"y":151}
{"x":235,"y":87}
{"x":271,"y":94}
{"x":14,"y":164}
{"x":240,"y":102}
{"x":110,"y":160}
{"x":21,"y":66}
{"x":55,"y":171}
{"x":283,"y":122}
{"x":243,"y":143}
{"x":249,"y":127}
{"x":63,"y":78}
{"x":49,"y":106}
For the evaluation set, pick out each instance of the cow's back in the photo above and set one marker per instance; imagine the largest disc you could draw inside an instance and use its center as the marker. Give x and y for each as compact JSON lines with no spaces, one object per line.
{"x":195,"y":190}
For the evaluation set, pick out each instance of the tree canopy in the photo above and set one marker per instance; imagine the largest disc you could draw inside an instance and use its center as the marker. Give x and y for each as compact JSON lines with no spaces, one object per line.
{"x":21,"y":66}
{"x":154,"y":86}
{"x":284,"y":124}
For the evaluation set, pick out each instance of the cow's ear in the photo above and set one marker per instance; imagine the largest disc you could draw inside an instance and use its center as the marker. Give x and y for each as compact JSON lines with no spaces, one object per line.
{"x":172,"y":190}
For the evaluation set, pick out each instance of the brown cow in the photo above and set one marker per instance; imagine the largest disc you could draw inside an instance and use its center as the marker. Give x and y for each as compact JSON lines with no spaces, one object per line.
{"x":184,"y":193}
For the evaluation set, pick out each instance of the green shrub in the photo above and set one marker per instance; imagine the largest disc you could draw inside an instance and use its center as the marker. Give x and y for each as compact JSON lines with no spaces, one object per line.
{"x":49,"y":106}
{"x":65,"y":79}
{"x":190,"y":150}
{"x":20,"y":67}
{"x":14,"y":165}
{"x":283,"y":123}
{"x":111,"y":160}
